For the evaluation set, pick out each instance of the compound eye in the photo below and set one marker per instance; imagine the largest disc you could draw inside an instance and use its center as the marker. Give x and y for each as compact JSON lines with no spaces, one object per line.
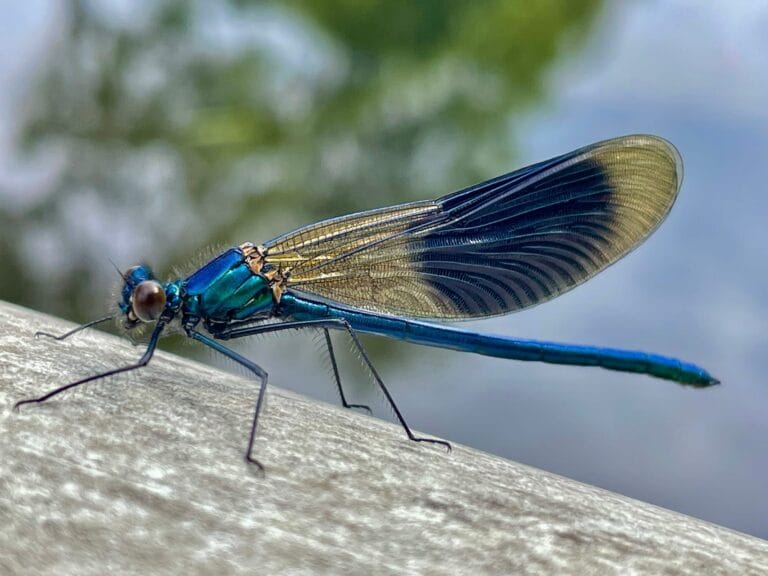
{"x":148,"y":300}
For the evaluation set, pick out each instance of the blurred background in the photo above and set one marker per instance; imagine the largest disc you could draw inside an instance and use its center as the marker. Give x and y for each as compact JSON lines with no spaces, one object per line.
{"x":148,"y":131}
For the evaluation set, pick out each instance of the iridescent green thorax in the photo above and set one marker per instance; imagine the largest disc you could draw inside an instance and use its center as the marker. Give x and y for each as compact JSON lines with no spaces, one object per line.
{"x":226,"y":288}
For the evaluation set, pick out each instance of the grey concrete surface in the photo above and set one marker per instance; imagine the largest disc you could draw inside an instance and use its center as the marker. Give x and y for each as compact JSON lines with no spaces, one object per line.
{"x":143,"y":474}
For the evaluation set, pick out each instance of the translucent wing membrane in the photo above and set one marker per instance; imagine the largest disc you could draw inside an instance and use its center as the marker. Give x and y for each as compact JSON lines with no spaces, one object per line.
{"x":497,"y":247}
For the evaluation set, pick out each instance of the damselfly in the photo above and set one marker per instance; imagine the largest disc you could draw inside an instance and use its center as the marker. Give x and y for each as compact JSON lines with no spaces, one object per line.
{"x":493,"y":248}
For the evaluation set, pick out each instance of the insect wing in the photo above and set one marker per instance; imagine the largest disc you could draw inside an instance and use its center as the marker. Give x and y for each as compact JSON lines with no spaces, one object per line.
{"x":496,"y":247}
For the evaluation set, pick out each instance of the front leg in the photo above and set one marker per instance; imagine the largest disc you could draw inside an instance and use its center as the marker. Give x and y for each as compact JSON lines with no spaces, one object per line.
{"x":74,"y":330}
{"x":143,"y":361}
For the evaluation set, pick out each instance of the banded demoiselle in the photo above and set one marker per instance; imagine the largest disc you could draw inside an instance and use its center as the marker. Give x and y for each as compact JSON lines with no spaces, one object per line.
{"x":493,"y":248}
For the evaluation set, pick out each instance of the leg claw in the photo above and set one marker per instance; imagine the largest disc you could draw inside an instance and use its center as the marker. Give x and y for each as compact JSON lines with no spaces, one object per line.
{"x":359,"y":407}
{"x":446,"y":445}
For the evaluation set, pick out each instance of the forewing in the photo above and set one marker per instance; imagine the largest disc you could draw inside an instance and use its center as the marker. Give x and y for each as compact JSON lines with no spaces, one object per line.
{"x":497,"y":247}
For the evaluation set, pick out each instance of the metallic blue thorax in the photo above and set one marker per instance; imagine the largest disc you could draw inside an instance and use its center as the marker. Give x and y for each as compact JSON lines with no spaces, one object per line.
{"x":227,"y":289}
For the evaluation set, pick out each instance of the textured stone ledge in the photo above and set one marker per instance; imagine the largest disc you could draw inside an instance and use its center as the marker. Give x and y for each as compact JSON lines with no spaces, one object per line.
{"x":144,"y":474}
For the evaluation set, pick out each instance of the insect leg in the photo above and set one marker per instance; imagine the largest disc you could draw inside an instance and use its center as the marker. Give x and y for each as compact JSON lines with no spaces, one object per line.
{"x":74,"y":330}
{"x":259,"y":372}
{"x":249,"y":328}
{"x":143,"y":361}
{"x":339,"y":324}
{"x":337,"y":377}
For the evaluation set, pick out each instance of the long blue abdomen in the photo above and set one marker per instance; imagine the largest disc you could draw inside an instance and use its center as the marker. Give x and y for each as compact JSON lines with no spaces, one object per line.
{"x":500,"y":346}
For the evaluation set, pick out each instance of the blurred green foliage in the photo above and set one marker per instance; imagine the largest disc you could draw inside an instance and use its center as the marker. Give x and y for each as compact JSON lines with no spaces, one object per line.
{"x":173,"y":125}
